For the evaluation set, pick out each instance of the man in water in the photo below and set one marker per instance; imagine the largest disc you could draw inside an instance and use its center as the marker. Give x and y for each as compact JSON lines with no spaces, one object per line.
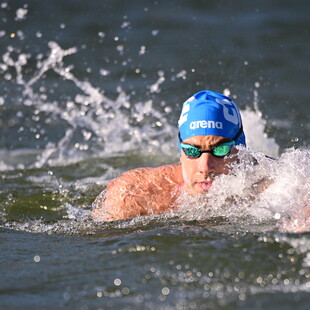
{"x":210,"y":127}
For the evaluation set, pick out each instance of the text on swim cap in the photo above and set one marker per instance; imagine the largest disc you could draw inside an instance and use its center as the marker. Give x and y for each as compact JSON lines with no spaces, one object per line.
{"x":185,"y":110}
{"x":206,"y":124}
{"x":232,"y":115}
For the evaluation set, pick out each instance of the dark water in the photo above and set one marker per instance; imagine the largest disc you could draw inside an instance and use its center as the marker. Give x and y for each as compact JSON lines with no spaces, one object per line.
{"x":169,"y":267}
{"x":90,"y":89}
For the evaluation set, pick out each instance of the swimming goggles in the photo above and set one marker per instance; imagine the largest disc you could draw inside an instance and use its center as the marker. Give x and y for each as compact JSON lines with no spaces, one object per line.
{"x":217,"y":151}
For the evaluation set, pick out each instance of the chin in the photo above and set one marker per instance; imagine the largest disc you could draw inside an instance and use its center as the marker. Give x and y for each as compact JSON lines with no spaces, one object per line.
{"x":197,"y":190}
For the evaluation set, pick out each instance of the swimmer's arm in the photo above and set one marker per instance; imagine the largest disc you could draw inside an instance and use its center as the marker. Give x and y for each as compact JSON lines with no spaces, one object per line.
{"x":122,"y":199}
{"x":125,"y":197}
{"x":138,"y":192}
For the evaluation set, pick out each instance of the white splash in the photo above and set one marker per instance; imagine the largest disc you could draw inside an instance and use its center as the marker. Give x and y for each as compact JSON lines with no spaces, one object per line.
{"x":92,"y":120}
{"x":257,"y":140}
{"x":259,"y":189}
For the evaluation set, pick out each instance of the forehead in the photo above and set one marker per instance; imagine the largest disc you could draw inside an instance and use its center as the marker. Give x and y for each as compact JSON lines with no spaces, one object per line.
{"x":206,"y":141}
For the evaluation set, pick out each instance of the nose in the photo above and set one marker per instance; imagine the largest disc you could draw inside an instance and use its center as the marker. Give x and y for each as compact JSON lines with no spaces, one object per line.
{"x":206,"y":163}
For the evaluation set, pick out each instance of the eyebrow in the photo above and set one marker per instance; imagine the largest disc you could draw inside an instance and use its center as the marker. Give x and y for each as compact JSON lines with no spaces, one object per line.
{"x":212,"y":145}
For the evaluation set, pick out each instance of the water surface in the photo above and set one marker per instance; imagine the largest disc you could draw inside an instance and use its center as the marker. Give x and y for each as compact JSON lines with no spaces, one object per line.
{"x":92,"y":89}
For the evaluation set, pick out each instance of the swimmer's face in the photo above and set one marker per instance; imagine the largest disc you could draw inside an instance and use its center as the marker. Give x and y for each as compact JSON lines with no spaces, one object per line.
{"x":198,"y":173}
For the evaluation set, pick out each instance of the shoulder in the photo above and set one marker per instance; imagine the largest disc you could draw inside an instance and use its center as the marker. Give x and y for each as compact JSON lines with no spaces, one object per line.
{"x":133,"y":177}
{"x":140,"y":191}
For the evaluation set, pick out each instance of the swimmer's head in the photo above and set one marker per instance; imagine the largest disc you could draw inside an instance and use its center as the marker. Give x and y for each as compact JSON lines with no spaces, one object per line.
{"x":210,"y":113}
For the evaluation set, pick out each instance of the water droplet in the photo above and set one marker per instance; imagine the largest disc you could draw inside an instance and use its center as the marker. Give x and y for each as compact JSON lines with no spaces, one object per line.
{"x":101,"y":34}
{"x":125,"y":24}
{"x":125,"y":291}
{"x":104,"y":72}
{"x":117,"y":282}
{"x":21,"y":14}
{"x":226,"y":92}
{"x":155,"y":32}
{"x":165,"y":291}
{"x":142,"y":50}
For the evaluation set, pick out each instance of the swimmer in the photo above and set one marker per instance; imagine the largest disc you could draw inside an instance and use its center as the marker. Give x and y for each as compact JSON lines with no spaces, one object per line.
{"x":210,"y":127}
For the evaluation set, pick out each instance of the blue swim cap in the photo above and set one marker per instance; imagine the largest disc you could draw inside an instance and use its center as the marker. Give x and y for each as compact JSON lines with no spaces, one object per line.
{"x":210,"y":113}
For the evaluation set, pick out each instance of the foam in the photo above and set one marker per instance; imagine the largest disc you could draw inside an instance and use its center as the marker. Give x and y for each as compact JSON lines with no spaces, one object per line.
{"x":258,"y":189}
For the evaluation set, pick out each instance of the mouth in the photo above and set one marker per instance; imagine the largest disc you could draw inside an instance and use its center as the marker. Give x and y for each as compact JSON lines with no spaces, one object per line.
{"x":205,"y":185}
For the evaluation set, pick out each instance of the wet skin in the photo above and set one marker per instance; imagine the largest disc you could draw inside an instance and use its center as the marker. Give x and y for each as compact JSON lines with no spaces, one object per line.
{"x":145,"y":191}
{"x":198,"y":173}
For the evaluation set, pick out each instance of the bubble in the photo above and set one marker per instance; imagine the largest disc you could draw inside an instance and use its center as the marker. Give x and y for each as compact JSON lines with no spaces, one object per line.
{"x":125,"y":291}
{"x":37,"y":258}
{"x":117,"y":282}
{"x":165,"y":291}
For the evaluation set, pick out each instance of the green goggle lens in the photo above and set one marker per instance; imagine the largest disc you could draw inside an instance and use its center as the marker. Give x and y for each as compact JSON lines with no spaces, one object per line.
{"x":218,"y":151}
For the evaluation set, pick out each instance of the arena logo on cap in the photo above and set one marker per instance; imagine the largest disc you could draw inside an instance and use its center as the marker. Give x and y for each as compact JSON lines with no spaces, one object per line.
{"x":205,"y":124}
